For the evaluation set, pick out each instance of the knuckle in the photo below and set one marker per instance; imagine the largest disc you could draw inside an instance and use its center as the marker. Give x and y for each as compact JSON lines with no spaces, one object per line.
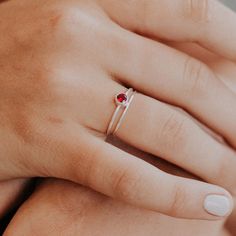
{"x":178,"y":200}
{"x":144,"y":12}
{"x":198,"y":10}
{"x":62,"y":19}
{"x":174,"y":131}
{"x":56,"y":21}
{"x":45,"y":24}
{"x":196,"y":78}
{"x":125,"y":184}
{"x":222,"y":164}
{"x":85,"y":166}
{"x":225,"y":174}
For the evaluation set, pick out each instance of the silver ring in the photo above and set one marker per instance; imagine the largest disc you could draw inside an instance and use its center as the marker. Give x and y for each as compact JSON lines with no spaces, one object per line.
{"x":123,"y":101}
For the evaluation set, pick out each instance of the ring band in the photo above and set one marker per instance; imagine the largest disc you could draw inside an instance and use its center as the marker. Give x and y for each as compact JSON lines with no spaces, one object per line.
{"x":123,"y":101}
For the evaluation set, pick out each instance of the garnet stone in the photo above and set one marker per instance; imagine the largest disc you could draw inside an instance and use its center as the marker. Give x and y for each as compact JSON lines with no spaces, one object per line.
{"x":121,"y":98}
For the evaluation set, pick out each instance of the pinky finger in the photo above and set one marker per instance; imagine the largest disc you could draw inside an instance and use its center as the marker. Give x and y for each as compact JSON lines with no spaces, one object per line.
{"x":85,"y":159}
{"x":122,"y":176}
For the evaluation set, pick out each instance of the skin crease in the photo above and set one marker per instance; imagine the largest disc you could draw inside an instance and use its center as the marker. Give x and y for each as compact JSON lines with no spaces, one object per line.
{"x":10,"y":191}
{"x":25,"y":116}
{"x":74,"y":212}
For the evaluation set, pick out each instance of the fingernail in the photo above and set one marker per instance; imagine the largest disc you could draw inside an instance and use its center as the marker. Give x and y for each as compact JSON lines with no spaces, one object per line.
{"x":218,"y":205}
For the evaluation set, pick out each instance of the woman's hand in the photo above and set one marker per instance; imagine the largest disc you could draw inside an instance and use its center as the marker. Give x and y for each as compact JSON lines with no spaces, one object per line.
{"x":62,"y":62}
{"x":113,"y":217}
{"x":63,"y":208}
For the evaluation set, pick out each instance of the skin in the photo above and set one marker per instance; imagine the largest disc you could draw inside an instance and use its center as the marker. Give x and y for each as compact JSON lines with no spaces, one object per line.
{"x":80,"y":211}
{"x":10,"y":193}
{"x":74,"y":212}
{"x":53,"y":124}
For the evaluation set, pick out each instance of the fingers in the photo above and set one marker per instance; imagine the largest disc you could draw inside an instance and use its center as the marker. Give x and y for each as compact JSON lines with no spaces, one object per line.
{"x":205,"y":21}
{"x":122,"y":176}
{"x":174,"y":77}
{"x":83,"y":158}
{"x":67,"y":151}
{"x":161,"y":130}
{"x":85,"y":212}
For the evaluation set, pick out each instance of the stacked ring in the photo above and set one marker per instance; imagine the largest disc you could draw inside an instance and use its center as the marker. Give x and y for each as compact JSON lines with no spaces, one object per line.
{"x":123,"y":101}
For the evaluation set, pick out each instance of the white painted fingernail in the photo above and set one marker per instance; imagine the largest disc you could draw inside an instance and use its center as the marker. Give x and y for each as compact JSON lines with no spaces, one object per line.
{"x":218,"y":205}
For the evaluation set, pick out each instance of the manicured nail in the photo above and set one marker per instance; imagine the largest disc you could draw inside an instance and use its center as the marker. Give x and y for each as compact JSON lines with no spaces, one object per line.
{"x":218,"y":205}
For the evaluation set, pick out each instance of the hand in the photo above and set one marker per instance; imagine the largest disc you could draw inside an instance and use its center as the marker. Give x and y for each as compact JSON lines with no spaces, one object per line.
{"x":54,"y":115}
{"x":226,"y":71}
{"x":63,"y":208}
{"x":74,"y":211}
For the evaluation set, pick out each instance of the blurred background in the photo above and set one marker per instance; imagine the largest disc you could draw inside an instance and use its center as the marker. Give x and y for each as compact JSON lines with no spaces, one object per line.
{"x":231,"y":3}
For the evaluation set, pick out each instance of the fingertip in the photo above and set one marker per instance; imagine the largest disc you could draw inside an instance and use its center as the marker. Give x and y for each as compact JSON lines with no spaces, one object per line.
{"x":204,"y":201}
{"x":218,"y":205}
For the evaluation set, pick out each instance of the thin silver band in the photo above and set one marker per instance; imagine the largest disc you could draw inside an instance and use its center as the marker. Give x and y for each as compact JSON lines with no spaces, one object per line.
{"x":116,"y":113}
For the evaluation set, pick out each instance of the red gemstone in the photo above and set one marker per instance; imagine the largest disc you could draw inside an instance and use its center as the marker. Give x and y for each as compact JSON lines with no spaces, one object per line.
{"x":122,"y":98}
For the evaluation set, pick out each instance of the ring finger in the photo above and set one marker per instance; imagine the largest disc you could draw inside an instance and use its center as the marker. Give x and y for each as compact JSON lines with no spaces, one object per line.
{"x":162,"y":130}
{"x":176,"y":78}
